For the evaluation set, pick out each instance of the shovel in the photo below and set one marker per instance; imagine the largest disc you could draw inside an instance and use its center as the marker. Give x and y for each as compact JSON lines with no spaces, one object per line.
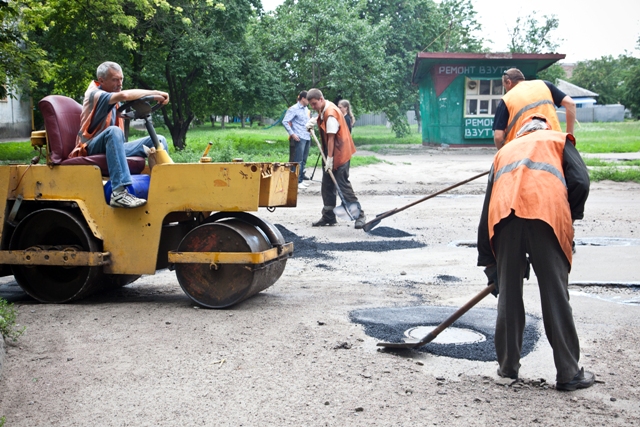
{"x":344,"y":211}
{"x":442,"y":326}
{"x":374,"y":222}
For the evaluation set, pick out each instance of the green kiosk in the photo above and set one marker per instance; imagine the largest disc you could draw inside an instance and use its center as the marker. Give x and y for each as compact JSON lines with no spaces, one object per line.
{"x":459,"y":92}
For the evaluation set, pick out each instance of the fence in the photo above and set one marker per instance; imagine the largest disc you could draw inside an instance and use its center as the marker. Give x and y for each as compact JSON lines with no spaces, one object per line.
{"x":380,"y":119}
{"x":597,"y":113}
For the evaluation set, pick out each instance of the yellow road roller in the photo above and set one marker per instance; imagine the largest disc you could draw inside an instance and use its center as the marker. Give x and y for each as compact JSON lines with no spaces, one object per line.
{"x":62,"y":241}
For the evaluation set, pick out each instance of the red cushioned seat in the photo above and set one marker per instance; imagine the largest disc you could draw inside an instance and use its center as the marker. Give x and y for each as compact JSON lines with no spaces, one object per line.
{"x":62,"y":122}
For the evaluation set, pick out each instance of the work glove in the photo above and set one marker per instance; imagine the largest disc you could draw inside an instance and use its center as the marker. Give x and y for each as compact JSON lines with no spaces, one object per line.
{"x":329,"y":164}
{"x":492,"y":275}
{"x":311,"y":123}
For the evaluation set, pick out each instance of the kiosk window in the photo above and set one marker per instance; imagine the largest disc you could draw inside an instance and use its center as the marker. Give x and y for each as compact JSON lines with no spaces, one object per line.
{"x":482,"y":96}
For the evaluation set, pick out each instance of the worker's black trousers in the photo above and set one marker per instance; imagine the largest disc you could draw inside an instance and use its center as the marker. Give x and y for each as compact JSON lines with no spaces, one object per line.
{"x":515,"y":237}
{"x":329,"y":193}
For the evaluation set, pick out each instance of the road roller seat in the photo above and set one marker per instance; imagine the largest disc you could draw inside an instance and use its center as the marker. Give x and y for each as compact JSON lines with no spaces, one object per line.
{"x":62,"y":122}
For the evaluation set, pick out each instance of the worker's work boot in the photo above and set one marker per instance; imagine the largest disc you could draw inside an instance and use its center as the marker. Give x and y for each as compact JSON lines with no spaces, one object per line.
{"x":122,"y":199}
{"x":361,"y":221}
{"x":324,"y":222}
{"x":583,"y":379}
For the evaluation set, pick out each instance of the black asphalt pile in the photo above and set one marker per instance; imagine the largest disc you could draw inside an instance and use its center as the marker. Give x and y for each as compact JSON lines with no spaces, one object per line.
{"x":309,"y":247}
{"x":389,"y":324}
{"x":389,"y":232}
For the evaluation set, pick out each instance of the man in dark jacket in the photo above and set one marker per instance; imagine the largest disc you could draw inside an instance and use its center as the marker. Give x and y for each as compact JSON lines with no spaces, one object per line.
{"x":538,"y":186}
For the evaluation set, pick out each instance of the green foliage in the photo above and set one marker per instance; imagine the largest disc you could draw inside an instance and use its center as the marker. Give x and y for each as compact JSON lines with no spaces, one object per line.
{"x":611,"y":78}
{"x":8,"y":327}
{"x":615,"y":174}
{"x":553,"y":73}
{"x":616,"y":137}
{"x":2,"y":421}
{"x":528,"y":35}
{"x":414,"y":26}
{"x":328,"y":46}
{"x":591,"y":161}
{"x":16,"y":151}
{"x":363,"y":161}
{"x":364,"y":50}
{"x":21,"y":59}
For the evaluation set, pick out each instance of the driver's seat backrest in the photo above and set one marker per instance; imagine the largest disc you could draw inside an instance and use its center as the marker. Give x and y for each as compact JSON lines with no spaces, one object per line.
{"x":62,"y":122}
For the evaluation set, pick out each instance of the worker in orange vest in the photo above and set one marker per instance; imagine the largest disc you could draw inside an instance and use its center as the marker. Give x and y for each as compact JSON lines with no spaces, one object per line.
{"x":338,"y":147}
{"x":538,"y":186}
{"x":524,"y":98}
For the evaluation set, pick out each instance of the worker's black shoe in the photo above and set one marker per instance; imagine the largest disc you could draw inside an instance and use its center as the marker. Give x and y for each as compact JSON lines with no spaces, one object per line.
{"x":324,"y":222}
{"x":583,"y":379}
{"x":360,"y":222}
{"x":513,"y":377}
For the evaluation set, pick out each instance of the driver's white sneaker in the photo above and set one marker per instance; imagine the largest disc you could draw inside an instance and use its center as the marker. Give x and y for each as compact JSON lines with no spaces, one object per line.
{"x":122,"y":199}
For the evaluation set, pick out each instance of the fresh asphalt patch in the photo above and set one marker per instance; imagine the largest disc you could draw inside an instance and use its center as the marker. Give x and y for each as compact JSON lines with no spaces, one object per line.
{"x":388,"y":324}
{"x":389,"y":232}
{"x":310,"y":247}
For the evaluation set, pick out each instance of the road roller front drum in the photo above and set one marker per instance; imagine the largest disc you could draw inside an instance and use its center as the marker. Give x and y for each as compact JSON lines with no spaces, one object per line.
{"x":222,"y":284}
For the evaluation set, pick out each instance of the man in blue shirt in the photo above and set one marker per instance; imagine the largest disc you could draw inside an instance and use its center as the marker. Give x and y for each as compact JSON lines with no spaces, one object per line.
{"x":294,"y":122}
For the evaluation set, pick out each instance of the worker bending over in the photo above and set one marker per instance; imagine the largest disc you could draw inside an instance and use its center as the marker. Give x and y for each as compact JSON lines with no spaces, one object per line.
{"x":538,"y":186}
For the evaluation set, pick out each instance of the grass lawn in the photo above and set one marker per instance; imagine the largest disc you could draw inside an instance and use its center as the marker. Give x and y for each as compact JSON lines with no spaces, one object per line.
{"x":259,"y":144}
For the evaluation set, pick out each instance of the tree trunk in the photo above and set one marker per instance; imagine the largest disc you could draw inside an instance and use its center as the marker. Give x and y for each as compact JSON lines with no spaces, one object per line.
{"x":223,"y":121}
{"x":242,"y":120}
{"x":416,"y":108}
{"x":213,"y":120}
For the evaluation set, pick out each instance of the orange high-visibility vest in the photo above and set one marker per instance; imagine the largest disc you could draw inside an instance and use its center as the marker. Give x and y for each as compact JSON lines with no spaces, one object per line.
{"x":526,"y":98}
{"x":89,"y":104}
{"x":529,"y":182}
{"x":344,"y":147}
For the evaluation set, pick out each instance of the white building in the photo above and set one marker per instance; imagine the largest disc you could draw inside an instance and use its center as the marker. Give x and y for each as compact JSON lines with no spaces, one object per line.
{"x":15,"y":117}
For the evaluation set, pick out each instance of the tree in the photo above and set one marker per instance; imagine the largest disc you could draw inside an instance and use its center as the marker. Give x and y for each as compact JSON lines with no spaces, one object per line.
{"x":553,"y":73}
{"x":190,"y":48}
{"x":328,"y":46}
{"x":364,"y":50}
{"x":414,"y":26}
{"x":528,"y":35}
{"x":630,"y":93}
{"x":607,"y":76}
{"x":22,"y":62}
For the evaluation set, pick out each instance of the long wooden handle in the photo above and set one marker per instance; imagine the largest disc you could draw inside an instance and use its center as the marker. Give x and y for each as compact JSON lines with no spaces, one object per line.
{"x":430,"y":196}
{"x":333,"y":178}
{"x":455,"y":316}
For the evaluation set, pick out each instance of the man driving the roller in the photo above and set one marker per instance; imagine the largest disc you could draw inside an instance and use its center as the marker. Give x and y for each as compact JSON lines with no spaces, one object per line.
{"x":102,"y":131}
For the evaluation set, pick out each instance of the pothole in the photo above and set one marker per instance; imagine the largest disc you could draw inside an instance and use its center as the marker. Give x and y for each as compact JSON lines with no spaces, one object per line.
{"x":471,"y":337}
{"x":450,"y":335}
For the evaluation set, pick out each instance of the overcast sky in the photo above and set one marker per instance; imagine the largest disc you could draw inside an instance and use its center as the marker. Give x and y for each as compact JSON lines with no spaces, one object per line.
{"x":589,"y":29}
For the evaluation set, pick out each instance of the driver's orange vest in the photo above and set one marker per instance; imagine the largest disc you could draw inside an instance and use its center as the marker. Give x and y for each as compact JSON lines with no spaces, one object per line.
{"x":89,"y":104}
{"x":528,"y":181}
{"x":527,"y":98}
{"x":343,"y":147}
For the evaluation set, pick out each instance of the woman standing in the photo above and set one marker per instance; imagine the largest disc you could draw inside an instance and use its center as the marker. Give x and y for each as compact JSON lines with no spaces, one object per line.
{"x":345,"y":107}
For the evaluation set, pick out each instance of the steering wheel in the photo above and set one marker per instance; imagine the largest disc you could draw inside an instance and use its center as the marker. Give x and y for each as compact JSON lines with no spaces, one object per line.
{"x":139,"y":108}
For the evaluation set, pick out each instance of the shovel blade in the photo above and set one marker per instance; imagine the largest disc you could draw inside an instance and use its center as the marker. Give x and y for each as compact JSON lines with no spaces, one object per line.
{"x":370,"y":225}
{"x":413,"y":344}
